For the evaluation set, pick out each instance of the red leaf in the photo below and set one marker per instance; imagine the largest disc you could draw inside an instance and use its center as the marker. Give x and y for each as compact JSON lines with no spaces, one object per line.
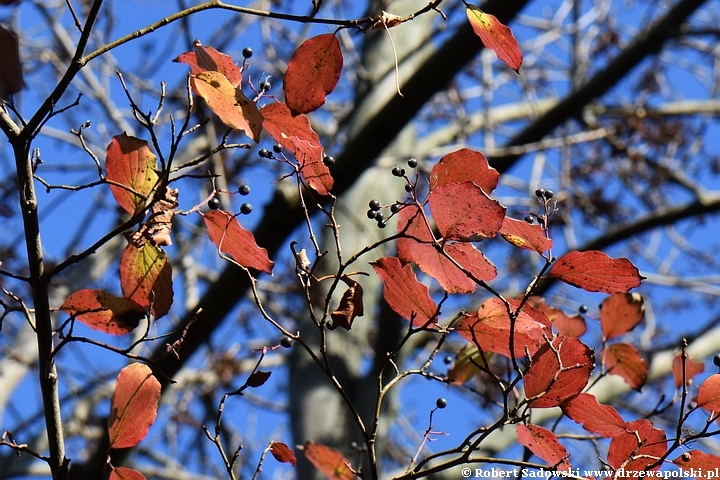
{"x":549,"y":381}
{"x":230,"y":104}
{"x":463,"y":165}
{"x":489,"y":330}
{"x":620,"y":313}
{"x":131,"y":163}
{"x":405,"y":295}
{"x":693,"y":461}
{"x":525,"y":236}
{"x":257,"y":379}
{"x":283,"y":453}
{"x":133,"y":406}
{"x":11,"y":77}
{"x":297,"y":136}
{"x":146,"y":278}
{"x":544,"y":444}
{"x":594,"y":271}
{"x":495,"y":36}
{"x":125,"y":473}
{"x":692,"y":368}
{"x":205,"y":59}
{"x":572,"y":326}
{"x":103,"y":311}
{"x":329,"y":461}
{"x":231,"y":239}
{"x":433,"y":263}
{"x":709,"y":393}
{"x":464,"y":212}
{"x":624,"y":360}
{"x":594,"y":416}
{"x":351,"y":305}
{"x":312,"y":73}
{"x":536,"y":314}
{"x":627,"y":453}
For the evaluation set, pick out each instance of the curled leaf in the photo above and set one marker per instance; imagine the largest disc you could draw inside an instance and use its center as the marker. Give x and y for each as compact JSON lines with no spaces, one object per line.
{"x":257,"y":379}
{"x":11,"y":77}
{"x":283,"y":453}
{"x":709,"y":393}
{"x":146,"y":278}
{"x":620,"y":313}
{"x":351,"y":305}
{"x":329,"y":461}
{"x":205,"y":59}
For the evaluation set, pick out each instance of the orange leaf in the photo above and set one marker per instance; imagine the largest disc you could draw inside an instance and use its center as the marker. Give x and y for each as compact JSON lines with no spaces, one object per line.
{"x":231,"y":239}
{"x":624,"y":360}
{"x":692,"y":368}
{"x":570,"y":325}
{"x":620,"y":313}
{"x":463,"y":165}
{"x":312,"y":73}
{"x":131,"y":163}
{"x":297,"y":136}
{"x":544,"y":444}
{"x":133,"y":406}
{"x":594,"y":416}
{"x":489,"y":330}
{"x":550,"y":381}
{"x":631,"y":455}
{"x":525,"y":236}
{"x":495,"y":36}
{"x":329,"y":461}
{"x":146,"y":278}
{"x":464,"y":212}
{"x":695,"y":461}
{"x":103,"y":311}
{"x":594,"y":271}
{"x":709,"y":393}
{"x":405,"y":295}
{"x":205,"y":59}
{"x":11,"y":77}
{"x":421,"y":251}
{"x":351,"y":305}
{"x":229,"y":103}
{"x":283,"y":453}
{"x":125,"y":473}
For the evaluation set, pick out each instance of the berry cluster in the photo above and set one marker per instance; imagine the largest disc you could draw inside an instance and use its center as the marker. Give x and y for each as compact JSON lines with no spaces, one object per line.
{"x":245,"y":208}
{"x":375,"y":209}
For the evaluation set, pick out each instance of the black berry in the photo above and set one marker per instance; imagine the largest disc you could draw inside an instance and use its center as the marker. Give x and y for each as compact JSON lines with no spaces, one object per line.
{"x":371,"y":214}
{"x":245,"y":208}
{"x":265,"y":85}
{"x":286,"y":342}
{"x":548,"y":194}
{"x":214,"y":203}
{"x":265,"y":153}
{"x":395,"y":207}
{"x":540,"y":192}
{"x":328,"y":161}
{"x":441,"y":402}
{"x":408,"y":188}
{"x":379,"y":216}
{"x":583,"y":308}
{"x":374,"y":205}
{"x":398,"y":171}
{"x":529,"y":219}
{"x":277,"y":148}
{"x":448,"y":359}
{"x":247,"y":52}
{"x":381,"y":223}
{"x":412,"y":162}
{"x":244,"y":189}
{"x":716,"y":360}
